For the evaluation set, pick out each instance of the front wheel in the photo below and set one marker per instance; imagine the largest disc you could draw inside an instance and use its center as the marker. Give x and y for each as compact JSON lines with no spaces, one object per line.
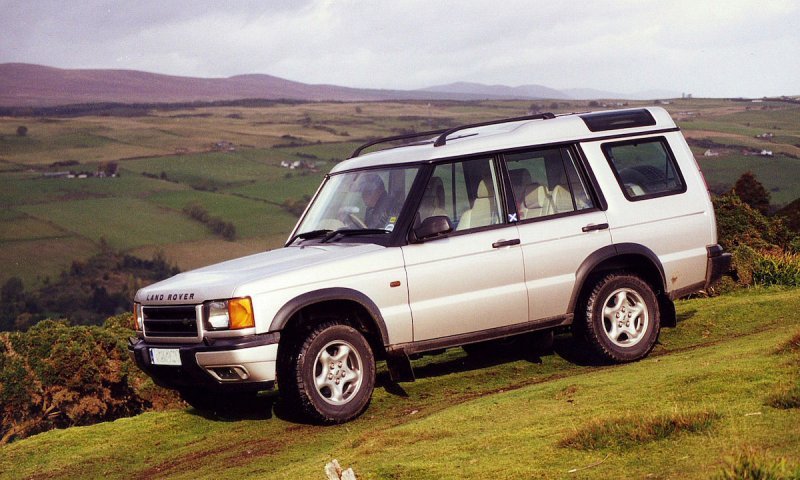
{"x":622,"y":318}
{"x":330,"y":374}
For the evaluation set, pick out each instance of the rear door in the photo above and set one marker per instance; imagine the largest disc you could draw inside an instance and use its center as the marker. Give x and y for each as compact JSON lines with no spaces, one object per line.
{"x":559,"y":225}
{"x":473,"y":278}
{"x":659,"y":201}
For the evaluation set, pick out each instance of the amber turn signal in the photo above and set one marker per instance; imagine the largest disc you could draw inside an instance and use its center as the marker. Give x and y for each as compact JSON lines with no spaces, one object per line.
{"x":240,"y":311}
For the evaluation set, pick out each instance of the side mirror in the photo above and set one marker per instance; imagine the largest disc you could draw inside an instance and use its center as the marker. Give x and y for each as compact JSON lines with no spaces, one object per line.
{"x":432,"y":227}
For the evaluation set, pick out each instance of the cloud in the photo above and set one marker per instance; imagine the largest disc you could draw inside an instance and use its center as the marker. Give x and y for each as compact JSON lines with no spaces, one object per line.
{"x":712,"y":48}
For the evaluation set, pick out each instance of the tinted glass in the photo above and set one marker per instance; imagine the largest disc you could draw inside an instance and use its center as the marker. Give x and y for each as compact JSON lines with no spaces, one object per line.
{"x":546,"y":182}
{"x":465,"y":192}
{"x":644,"y":168}
{"x":370,"y":199}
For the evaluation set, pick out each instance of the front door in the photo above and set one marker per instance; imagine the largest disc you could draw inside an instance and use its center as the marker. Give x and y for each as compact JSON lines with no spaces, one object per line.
{"x":473,"y":279}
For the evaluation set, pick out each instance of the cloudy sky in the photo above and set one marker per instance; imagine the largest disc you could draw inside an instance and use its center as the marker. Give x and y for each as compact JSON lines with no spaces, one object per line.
{"x":707,"y":48}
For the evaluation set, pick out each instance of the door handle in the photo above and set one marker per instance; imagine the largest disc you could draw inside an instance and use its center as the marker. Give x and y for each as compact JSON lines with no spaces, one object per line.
{"x":505,"y":243}
{"x":595,"y":226}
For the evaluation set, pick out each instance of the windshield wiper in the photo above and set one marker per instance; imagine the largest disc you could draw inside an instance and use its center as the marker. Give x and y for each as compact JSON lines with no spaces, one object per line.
{"x":351,"y":231}
{"x":307,"y":235}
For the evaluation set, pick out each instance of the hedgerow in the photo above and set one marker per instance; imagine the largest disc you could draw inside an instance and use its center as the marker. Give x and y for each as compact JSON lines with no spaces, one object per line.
{"x":57,"y":376}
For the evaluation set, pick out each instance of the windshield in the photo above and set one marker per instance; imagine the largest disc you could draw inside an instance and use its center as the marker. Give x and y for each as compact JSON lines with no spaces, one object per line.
{"x":359,"y":202}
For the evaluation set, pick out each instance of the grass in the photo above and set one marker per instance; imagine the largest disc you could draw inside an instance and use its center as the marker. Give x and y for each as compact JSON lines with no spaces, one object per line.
{"x":214,"y":169}
{"x":636,"y":429}
{"x":34,"y":259}
{"x":124,"y":222}
{"x":28,"y":189}
{"x":200,"y":253}
{"x":496,"y":418}
{"x":787,"y":396}
{"x":752,"y":465}
{"x":779,"y":174}
{"x":276,"y":191}
{"x":22,"y":227}
{"x":251,"y":217}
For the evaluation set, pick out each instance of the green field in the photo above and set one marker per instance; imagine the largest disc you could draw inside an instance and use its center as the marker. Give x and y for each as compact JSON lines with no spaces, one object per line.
{"x":252,"y":218}
{"x":501,"y":417}
{"x":167,"y":159}
{"x":779,"y":174}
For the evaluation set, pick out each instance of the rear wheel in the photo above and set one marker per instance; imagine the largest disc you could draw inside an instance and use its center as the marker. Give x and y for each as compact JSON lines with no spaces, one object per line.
{"x":622,"y":318}
{"x":329,"y":374}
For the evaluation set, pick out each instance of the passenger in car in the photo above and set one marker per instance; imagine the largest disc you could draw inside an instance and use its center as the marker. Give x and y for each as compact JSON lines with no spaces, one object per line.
{"x":379,"y":205}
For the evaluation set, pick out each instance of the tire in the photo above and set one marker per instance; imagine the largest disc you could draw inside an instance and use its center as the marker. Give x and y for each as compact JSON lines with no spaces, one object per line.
{"x":621,"y":319}
{"x":328,"y":374}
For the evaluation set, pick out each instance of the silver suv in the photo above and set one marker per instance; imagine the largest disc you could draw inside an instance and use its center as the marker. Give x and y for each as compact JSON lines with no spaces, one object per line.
{"x":455,"y":238}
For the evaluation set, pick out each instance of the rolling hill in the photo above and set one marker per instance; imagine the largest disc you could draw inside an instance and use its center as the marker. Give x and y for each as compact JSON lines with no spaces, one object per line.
{"x":27,"y":85}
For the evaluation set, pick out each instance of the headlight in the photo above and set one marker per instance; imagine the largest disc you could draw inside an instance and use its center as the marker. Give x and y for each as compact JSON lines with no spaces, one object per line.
{"x":218,"y":317}
{"x":138,"y":320}
{"x":233,"y":314}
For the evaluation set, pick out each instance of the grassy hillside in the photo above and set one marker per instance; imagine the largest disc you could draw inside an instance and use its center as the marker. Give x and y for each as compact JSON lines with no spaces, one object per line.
{"x":701,"y":400}
{"x":169,"y":158}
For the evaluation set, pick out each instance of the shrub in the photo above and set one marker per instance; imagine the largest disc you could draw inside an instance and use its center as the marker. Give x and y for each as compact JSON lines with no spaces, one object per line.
{"x":791,"y":215}
{"x":226,"y":230}
{"x":629,"y":431}
{"x":777,"y":268}
{"x":56,"y":376}
{"x":787,"y":398}
{"x":740,"y":224}
{"x":752,"y":192}
{"x":767,"y":267}
{"x":752,"y":466}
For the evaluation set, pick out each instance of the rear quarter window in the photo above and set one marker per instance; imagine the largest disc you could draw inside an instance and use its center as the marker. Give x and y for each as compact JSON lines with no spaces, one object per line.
{"x":644,"y":168}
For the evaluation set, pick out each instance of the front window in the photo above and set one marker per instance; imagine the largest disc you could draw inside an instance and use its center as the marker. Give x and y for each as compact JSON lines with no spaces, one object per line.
{"x":359,"y":202}
{"x":464,"y":191}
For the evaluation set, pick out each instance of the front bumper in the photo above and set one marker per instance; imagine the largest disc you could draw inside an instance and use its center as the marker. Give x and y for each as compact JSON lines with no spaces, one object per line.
{"x":235,"y":364}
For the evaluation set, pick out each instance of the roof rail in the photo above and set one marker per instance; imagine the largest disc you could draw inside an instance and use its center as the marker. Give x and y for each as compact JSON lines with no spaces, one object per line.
{"x":407,"y":136}
{"x":442,"y":140}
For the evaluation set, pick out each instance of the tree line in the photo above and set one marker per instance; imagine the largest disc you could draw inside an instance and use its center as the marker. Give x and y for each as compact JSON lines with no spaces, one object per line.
{"x":86,"y":293}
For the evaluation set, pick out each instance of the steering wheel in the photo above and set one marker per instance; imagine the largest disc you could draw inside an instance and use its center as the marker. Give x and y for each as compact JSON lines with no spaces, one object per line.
{"x":356,"y":221}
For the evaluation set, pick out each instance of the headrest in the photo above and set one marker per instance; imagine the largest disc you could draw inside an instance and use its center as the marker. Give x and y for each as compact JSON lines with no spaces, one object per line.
{"x":535,"y":196}
{"x":485,"y":190}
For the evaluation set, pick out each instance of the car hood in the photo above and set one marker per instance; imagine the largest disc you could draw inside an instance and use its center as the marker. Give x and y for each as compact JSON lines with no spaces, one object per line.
{"x":220,"y":281}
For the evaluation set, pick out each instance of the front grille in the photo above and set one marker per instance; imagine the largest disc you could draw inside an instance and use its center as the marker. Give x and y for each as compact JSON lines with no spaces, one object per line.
{"x":178,"y":321}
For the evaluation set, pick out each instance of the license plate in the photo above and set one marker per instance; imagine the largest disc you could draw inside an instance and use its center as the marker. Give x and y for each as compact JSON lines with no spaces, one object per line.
{"x":165,"y":356}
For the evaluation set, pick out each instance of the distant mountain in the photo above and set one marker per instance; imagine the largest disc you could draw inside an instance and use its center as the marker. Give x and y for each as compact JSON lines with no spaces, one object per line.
{"x":26,"y":85}
{"x":499,"y":91}
{"x":592,"y":94}
{"x":35,"y":85}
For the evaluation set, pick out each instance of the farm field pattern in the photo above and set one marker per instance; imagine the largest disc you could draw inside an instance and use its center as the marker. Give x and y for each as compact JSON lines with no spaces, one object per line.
{"x":228,"y":160}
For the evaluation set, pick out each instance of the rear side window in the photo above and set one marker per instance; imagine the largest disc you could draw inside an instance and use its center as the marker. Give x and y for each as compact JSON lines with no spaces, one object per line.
{"x":546,"y":182}
{"x":644,"y":168}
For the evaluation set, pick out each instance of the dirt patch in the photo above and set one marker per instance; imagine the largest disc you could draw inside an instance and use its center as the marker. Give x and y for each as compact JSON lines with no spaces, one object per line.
{"x":230,"y":455}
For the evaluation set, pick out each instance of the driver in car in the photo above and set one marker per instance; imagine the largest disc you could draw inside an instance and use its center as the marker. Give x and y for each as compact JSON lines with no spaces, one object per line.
{"x":378,"y":202}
